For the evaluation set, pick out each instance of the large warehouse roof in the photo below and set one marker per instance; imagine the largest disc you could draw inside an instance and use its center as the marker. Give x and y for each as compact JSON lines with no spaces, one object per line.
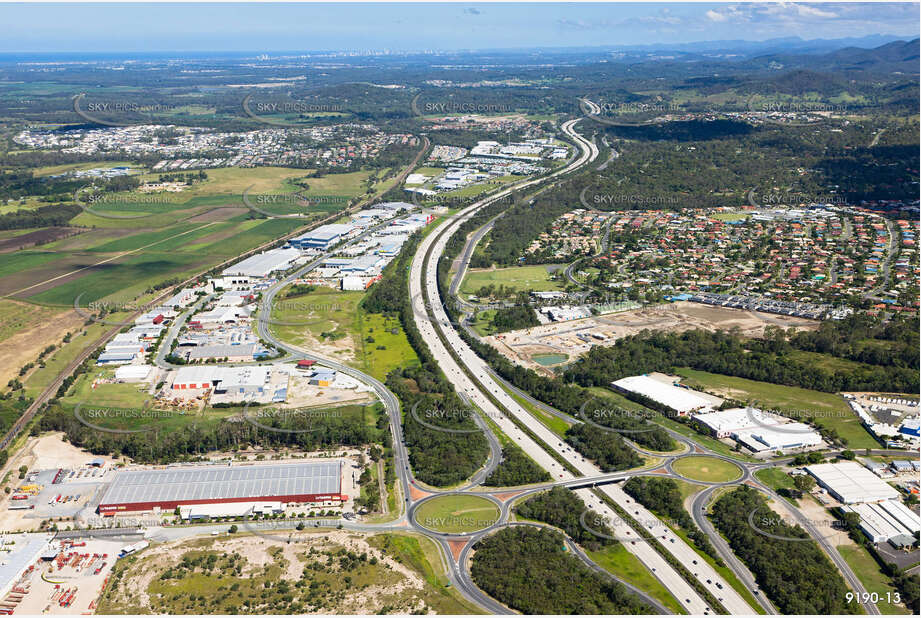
{"x":735,"y":419}
{"x":678,"y":399}
{"x":851,"y":483}
{"x":261,"y":264}
{"x":327,"y":232}
{"x":210,"y":483}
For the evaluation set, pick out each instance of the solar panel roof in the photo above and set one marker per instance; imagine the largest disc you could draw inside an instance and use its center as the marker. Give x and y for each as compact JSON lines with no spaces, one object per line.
{"x":225,"y":482}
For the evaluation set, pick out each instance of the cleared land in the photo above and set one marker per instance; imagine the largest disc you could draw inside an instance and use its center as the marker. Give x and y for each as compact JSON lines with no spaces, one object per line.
{"x":461,"y":513}
{"x":526,"y":346}
{"x":331,"y":322}
{"x":329,"y":572}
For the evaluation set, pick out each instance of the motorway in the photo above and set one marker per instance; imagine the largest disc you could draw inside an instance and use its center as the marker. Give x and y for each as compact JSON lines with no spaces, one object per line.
{"x":476,"y":383}
{"x":425,"y":299}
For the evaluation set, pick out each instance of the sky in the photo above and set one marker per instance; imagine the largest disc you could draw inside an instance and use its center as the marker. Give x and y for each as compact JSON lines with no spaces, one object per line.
{"x":427,"y":26}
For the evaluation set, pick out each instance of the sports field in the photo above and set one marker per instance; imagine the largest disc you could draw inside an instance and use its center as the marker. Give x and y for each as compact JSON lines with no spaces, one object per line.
{"x":707,"y":469}
{"x":461,"y":513}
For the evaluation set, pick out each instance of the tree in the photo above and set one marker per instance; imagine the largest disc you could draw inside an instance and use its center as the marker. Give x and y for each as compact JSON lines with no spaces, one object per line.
{"x":804,"y":482}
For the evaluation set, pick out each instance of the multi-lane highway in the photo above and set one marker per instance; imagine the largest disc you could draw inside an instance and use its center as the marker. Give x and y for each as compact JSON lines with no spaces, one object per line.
{"x":472,"y":378}
{"x":479,"y":386}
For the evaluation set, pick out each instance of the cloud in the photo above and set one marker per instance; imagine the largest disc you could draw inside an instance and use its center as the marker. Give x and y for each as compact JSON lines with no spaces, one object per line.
{"x":714,"y":16}
{"x":472,"y":11}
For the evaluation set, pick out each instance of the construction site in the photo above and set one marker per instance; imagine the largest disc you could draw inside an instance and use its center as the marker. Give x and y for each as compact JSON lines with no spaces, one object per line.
{"x":562,"y":341}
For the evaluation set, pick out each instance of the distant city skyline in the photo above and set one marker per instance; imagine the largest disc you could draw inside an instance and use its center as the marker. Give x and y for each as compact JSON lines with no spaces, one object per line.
{"x":279,"y":27}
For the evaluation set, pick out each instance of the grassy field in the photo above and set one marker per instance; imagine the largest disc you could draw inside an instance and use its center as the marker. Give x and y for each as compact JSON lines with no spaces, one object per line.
{"x":830,"y":410}
{"x":377,"y":343}
{"x":535,"y":278}
{"x":730,"y":216}
{"x":620,"y":562}
{"x":709,"y":469}
{"x":867,"y":571}
{"x":775,"y":478}
{"x":553,"y":423}
{"x":457,"y":513}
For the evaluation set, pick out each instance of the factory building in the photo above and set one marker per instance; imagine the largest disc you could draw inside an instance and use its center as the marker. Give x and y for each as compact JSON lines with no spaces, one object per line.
{"x":323,"y":237}
{"x":780,"y":438}
{"x":759,"y":431}
{"x":681,"y":400}
{"x":263,"y":264}
{"x":887,"y":521}
{"x":851,"y":483}
{"x":164,"y":490}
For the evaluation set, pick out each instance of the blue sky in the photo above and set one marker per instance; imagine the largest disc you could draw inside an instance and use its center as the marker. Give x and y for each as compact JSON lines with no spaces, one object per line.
{"x":280,"y":27}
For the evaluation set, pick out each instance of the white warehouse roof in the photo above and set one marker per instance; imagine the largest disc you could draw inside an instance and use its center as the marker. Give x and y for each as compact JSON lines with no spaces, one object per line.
{"x":779,"y":437}
{"x":678,"y":399}
{"x":735,"y":419}
{"x":262,"y":264}
{"x":851,"y":483}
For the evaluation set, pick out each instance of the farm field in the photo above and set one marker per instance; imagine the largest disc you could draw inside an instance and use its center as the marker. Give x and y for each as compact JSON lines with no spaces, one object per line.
{"x":535,"y":278}
{"x":830,"y":409}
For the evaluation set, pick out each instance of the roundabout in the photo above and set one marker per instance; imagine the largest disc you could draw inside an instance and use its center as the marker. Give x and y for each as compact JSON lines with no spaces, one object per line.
{"x":706,"y":469}
{"x":457,"y":514}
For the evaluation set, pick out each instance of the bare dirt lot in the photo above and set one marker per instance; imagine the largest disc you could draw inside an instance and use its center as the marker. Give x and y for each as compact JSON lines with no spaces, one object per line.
{"x":521,"y":346}
{"x":261,"y":556}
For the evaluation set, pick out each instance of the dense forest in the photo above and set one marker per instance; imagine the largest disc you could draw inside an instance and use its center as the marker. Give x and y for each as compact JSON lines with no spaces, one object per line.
{"x":663,"y":497}
{"x":562,"y":508}
{"x":797,"y":577}
{"x":529,"y":570}
{"x":606,"y":448}
{"x":730,"y":354}
{"x":234,"y":433}
{"x":516,"y":468}
{"x":513,"y":318}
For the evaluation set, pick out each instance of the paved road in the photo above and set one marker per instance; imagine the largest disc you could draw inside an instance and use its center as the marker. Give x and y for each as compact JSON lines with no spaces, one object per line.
{"x":433,"y":323}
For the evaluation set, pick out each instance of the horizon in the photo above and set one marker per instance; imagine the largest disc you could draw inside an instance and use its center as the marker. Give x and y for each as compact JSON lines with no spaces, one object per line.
{"x":418,"y":28}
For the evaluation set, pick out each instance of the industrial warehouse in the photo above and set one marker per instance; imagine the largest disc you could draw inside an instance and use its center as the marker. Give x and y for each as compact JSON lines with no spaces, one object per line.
{"x":680,"y":399}
{"x":759,"y":431}
{"x":313,"y":483}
